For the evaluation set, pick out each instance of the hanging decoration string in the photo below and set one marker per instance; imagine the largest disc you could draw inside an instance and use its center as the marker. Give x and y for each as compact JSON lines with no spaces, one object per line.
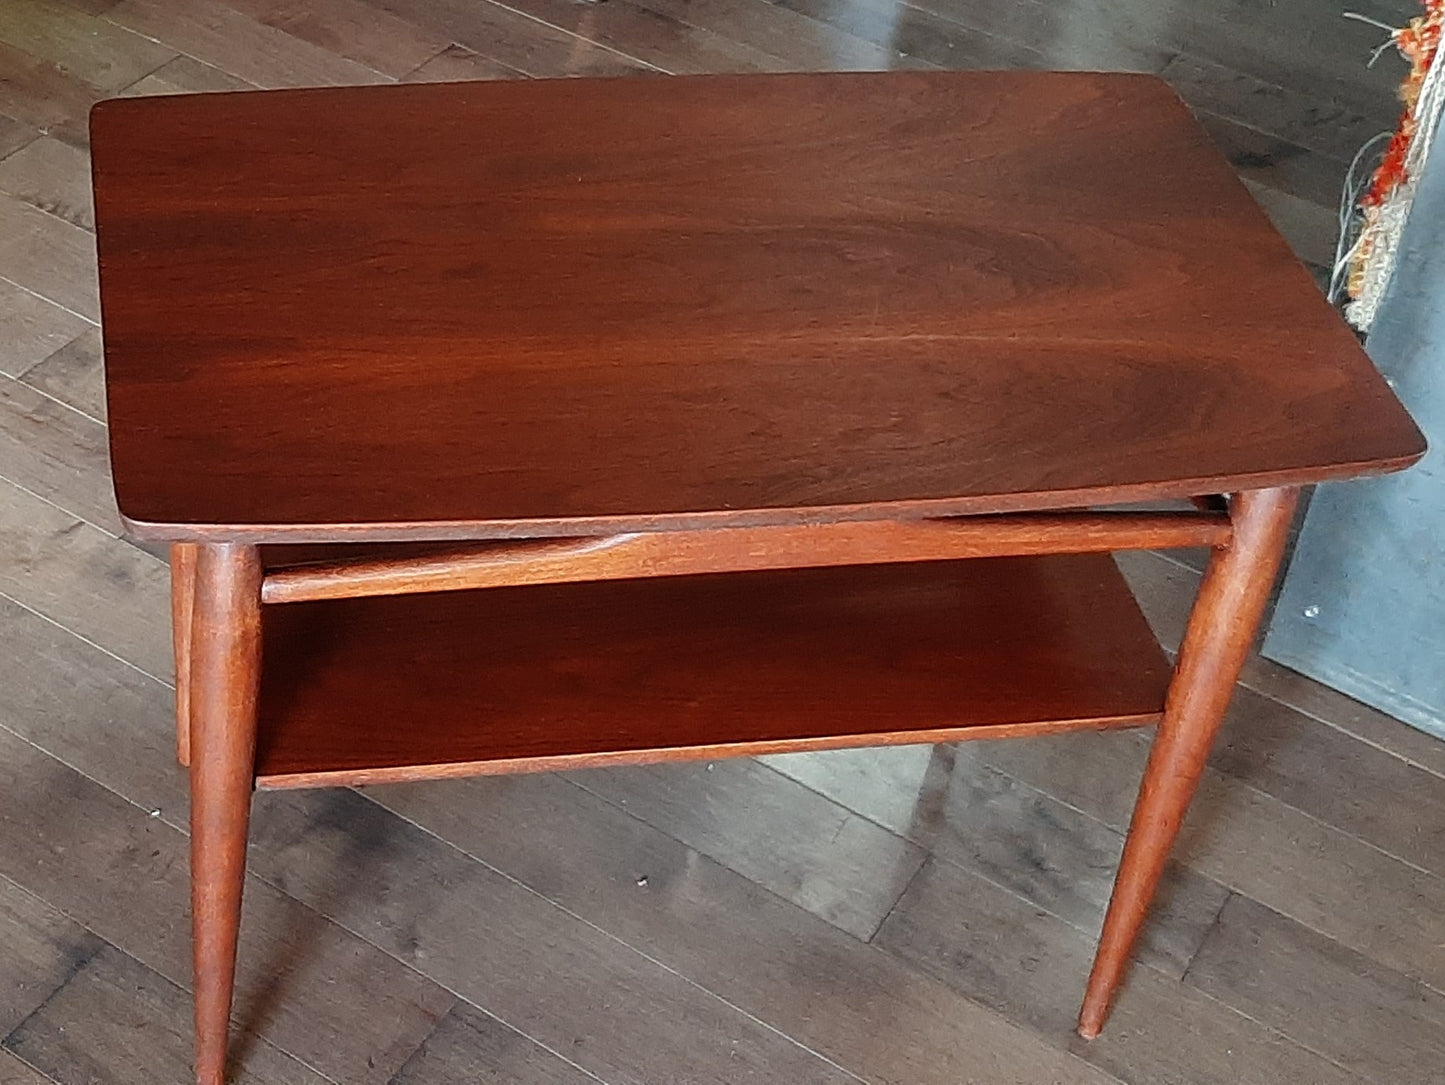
{"x":1372,"y":218}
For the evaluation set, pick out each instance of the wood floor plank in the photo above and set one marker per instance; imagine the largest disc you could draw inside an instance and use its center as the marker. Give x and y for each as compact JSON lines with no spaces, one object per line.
{"x":919,"y":36}
{"x":961,"y":810}
{"x":1334,"y":777}
{"x":1310,"y":228}
{"x":90,"y":7}
{"x":57,"y":453}
{"x":804,"y":44}
{"x":43,"y":949}
{"x":580,"y":59}
{"x":186,"y":75}
{"x":615,"y":1012}
{"x":1307,"y":47}
{"x":1238,"y":836}
{"x":119,"y":1023}
{"x":49,"y":256}
{"x":773,"y":831}
{"x":848,"y":1000}
{"x":31,"y":328}
{"x":1330,"y":53}
{"x":468,"y":1047}
{"x":1371,"y":1019}
{"x":1337,"y":710}
{"x":1327,"y":127}
{"x":1068,"y":36}
{"x":456,"y":64}
{"x":352,"y":29}
{"x":53,"y":176}
{"x":524,"y":44}
{"x":1166,"y":591}
{"x":1310,"y":49}
{"x":41,"y":96}
{"x":85,"y":580}
{"x":73,"y":374}
{"x":220,"y":36}
{"x":13,"y":1071}
{"x":304,"y":983}
{"x":1031,"y":967}
{"x":81,"y":705}
{"x":14,"y":134}
{"x":101,"y":54}
{"x":1276,"y":163}
{"x":658,"y":39}
{"x":1358,"y":775}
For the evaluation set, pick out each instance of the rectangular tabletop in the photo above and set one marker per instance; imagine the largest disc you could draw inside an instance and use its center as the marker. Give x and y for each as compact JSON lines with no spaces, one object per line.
{"x":490,"y":309}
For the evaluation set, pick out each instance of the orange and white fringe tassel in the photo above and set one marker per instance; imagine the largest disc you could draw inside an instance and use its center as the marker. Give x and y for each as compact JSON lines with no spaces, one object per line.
{"x":1364,"y":267}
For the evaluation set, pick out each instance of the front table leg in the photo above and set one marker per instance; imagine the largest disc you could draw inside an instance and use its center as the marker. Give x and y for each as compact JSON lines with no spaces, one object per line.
{"x":1218,"y":639}
{"x":225,"y":652}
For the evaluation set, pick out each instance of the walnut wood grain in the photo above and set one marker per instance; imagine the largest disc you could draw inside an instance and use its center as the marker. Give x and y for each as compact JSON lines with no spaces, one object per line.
{"x":1221,"y":630}
{"x":225,"y":674}
{"x":591,"y":307}
{"x":682,"y":553}
{"x":775,"y":317}
{"x":512,"y":679}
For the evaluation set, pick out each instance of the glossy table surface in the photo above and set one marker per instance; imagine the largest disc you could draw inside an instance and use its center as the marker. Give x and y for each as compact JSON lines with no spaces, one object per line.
{"x":554,"y":307}
{"x":518,"y":679}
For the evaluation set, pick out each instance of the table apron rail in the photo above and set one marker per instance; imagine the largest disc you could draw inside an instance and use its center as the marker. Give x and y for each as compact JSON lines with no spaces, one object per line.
{"x":740,"y":549}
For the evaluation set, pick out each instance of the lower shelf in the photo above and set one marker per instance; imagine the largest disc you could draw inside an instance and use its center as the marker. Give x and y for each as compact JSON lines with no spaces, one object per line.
{"x":513,"y":679}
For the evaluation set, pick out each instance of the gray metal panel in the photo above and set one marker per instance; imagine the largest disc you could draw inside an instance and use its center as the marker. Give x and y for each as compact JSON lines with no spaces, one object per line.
{"x":1363,"y":605}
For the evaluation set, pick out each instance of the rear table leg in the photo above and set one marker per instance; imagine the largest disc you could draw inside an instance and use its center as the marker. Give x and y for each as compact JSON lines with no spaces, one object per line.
{"x":225,"y":665}
{"x":183,"y":597}
{"x":1218,"y":639}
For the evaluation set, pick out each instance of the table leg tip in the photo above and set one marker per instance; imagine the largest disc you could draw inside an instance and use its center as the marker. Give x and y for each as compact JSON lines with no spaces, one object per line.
{"x":1091,"y":1021}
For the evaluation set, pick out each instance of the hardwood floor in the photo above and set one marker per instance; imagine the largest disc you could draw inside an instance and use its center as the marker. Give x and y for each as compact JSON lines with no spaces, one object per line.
{"x":903,"y":917}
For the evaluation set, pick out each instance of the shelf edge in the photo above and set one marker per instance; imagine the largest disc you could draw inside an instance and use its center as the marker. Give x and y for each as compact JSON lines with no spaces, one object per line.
{"x":397,"y":774}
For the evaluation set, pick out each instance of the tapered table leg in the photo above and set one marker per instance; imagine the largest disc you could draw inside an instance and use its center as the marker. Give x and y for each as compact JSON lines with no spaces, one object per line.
{"x":225,"y":651}
{"x":1216,"y":642}
{"x":183,"y":587}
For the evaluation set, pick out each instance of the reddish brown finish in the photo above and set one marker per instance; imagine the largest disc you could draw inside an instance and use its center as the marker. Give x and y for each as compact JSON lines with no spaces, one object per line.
{"x":583,"y":307}
{"x":1221,"y":631}
{"x":653,"y":669}
{"x":681,"y":553}
{"x":798,"y":308}
{"x":225,"y":674}
{"x":183,"y":588}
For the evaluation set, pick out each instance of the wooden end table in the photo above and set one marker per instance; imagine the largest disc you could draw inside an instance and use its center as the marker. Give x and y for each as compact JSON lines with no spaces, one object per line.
{"x":516,"y":426}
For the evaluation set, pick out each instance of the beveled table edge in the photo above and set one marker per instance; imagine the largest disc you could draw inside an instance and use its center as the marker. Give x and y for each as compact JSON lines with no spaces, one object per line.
{"x":721,"y":519}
